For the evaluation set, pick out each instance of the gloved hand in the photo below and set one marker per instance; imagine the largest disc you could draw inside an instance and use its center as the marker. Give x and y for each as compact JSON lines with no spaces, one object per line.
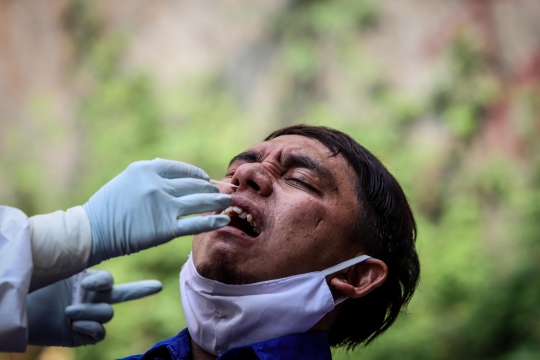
{"x":52,"y":321}
{"x":140,"y":208}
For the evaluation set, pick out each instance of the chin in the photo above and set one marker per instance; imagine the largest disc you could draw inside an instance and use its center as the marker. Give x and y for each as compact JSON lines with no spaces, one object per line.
{"x":224,"y":272}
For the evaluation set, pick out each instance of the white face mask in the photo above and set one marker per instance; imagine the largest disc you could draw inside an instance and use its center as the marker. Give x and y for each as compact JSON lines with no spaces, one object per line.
{"x":221,"y":316}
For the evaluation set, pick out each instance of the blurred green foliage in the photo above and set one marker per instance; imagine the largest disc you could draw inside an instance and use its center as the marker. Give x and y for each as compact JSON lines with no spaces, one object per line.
{"x":478,"y":211}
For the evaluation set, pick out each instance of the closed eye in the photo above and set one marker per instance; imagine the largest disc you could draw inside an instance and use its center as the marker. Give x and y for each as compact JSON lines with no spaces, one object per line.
{"x":302,"y":183}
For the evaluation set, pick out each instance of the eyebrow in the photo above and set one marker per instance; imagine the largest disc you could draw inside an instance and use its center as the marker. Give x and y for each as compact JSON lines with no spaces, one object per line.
{"x":249,"y":156}
{"x":307,"y":162}
{"x":291,"y":161}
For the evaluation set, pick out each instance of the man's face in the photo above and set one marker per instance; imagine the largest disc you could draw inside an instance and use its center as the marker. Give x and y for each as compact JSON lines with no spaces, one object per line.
{"x":304,"y":206}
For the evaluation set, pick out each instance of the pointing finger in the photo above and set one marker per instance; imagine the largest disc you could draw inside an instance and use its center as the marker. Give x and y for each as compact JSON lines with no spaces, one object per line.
{"x":128,"y":291}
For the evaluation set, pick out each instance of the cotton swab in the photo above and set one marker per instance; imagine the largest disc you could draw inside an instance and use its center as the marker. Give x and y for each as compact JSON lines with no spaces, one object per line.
{"x":222,"y":183}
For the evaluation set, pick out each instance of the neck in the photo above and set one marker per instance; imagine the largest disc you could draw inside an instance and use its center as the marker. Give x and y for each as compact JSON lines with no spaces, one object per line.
{"x":197,"y":353}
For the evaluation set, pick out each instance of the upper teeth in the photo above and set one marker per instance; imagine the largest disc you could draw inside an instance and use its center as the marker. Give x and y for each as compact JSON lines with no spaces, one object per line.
{"x":242,"y":214}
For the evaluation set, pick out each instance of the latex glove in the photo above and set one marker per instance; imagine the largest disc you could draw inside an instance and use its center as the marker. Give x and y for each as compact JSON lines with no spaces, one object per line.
{"x":52,"y":321}
{"x":140,"y":208}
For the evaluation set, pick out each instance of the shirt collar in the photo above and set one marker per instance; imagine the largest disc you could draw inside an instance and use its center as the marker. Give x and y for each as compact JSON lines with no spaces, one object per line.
{"x":308,"y":345}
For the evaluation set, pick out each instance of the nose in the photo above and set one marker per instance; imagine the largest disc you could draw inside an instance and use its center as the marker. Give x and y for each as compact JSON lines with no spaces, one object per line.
{"x":252,"y":177}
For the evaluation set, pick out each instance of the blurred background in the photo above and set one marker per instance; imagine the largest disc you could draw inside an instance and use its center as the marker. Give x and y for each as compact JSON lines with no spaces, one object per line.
{"x":445,"y":92}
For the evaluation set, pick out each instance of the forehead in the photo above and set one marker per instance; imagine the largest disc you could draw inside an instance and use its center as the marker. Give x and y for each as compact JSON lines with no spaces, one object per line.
{"x":294,"y":144}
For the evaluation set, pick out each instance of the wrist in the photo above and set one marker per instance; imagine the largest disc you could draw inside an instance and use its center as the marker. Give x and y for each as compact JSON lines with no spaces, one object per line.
{"x":98,"y":250}
{"x":61,"y":245}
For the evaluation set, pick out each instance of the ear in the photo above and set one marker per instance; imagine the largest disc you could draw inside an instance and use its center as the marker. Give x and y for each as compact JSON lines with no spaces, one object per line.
{"x":360,"y":279}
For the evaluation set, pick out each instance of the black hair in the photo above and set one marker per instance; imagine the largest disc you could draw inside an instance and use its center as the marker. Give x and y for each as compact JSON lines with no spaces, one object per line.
{"x":387,"y":231}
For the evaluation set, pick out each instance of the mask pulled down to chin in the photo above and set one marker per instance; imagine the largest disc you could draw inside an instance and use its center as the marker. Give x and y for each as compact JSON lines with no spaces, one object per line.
{"x":221,"y":316}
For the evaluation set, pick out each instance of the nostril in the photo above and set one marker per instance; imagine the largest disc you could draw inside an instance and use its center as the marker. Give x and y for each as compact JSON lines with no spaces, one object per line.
{"x":253,"y":185}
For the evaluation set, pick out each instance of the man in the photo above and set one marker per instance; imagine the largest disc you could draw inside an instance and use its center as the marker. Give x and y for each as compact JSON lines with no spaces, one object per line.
{"x":266,"y":285}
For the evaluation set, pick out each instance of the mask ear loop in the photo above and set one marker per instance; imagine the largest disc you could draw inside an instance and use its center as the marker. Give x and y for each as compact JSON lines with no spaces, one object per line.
{"x":334,"y":269}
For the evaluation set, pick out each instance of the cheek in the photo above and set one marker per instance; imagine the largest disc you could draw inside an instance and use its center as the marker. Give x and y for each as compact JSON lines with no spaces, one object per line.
{"x":300,"y":223}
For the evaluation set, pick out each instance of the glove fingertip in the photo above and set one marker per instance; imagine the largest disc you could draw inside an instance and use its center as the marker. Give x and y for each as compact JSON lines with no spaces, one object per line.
{"x":224,"y":198}
{"x":219,"y":221}
{"x":134,"y":290}
{"x":153,"y":286}
{"x":222,"y":201}
{"x":199,"y":224}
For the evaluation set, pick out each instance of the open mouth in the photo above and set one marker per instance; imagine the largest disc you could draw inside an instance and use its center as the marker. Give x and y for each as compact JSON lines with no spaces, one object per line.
{"x":242,"y":220}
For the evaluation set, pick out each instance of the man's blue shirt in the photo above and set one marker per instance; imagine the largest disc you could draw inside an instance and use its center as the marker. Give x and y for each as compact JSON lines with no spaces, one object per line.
{"x":310,"y":345}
